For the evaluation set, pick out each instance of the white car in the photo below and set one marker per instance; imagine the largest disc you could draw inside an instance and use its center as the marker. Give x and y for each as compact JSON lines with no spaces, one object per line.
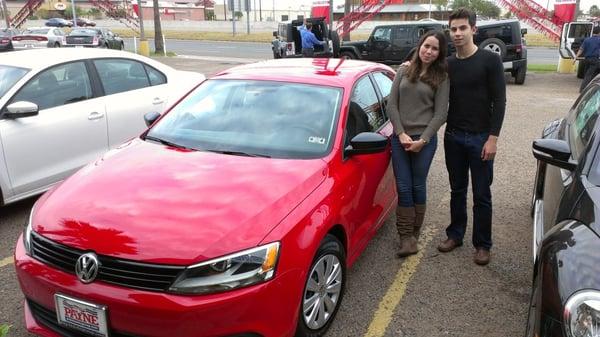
{"x":39,"y":37}
{"x":62,"y":108}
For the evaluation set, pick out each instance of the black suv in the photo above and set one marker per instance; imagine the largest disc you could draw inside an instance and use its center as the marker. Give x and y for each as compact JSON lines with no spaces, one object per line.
{"x":394,"y":44}
{"x":287,"y":42}
{"x":505,"y":38}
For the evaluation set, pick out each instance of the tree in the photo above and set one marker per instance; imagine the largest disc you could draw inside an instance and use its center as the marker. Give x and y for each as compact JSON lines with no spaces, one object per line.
{"x":595,"y":11}
{"x":159,"y":47}
{"x":238,"y":15}
{"x":481,"y":7}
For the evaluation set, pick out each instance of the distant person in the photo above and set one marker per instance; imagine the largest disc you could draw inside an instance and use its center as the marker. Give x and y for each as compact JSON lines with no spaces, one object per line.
{"x":309,"y":40}
{"x":418,"y":107}
{"x":590,"y":48}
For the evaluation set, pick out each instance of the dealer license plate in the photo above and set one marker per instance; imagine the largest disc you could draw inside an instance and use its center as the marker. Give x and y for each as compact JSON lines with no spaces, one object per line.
{"x":83,"y":316}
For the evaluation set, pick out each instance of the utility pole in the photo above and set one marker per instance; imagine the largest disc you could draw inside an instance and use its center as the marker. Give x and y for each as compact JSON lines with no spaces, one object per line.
{"x":576,"y":14}
{"x":247,"y":3}
{"x":330,"y":15}
{"x":274,"y":11}
{"x":233,"y":17}
{"x":346,"y":23}
{"x":74,"y":16}
{"x":260,"y":9}
{"x":5,"y":13}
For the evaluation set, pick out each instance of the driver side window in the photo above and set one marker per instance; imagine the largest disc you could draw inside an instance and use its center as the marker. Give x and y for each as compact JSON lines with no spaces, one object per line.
{"x":584,"y":119}
{"x":382,"y":34}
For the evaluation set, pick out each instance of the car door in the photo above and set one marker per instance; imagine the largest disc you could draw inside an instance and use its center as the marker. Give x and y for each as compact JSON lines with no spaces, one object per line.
{"x":560,"y":184}
{"x":572,"y":36}
{"x":367,"y":176}
{"x":131,"y":89}
{"x":379,"y":44}
{"x":403,"y":42}
{"x":68,"y":132}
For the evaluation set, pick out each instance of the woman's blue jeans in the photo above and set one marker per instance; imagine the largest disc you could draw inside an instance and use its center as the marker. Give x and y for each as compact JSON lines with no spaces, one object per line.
{"x":410,"y":170}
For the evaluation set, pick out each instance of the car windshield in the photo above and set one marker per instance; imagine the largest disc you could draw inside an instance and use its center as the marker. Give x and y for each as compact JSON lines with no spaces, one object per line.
{"x":84,"y":32}
{"x":9,"y":76}
{"x":254,"y":118}
{"x":37,"y":31}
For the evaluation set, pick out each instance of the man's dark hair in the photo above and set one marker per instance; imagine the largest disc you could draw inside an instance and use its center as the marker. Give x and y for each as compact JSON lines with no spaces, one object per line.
{"x":596,"y":30}
{"x":308,"y":25}
{"x":463,"y":13}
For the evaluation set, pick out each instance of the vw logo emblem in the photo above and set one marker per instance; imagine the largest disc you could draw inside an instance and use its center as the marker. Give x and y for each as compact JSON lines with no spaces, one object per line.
{"x":87,"y":267}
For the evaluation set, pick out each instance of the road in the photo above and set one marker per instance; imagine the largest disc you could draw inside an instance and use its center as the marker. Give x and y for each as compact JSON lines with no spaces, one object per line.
{"x":259,"y":51}
{"x":429,"y":294}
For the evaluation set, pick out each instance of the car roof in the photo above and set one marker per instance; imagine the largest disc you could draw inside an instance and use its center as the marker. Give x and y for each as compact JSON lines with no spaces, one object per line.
{"x":320,"y":71}
{"x":43,"y":58}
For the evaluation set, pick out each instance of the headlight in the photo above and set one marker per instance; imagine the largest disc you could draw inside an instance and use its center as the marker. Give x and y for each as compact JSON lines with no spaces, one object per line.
{"x":27,"y":234}
{"x":229,"y":272}
{"x":582,"y":314}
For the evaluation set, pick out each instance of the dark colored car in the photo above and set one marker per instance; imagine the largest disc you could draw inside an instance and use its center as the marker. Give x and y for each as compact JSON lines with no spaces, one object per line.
{"x":83,"y":22}
{"x":58,"y":22}
{"x":6,"y":35}
{"x":287,"y":42}
{"x":565,"y":299}
{"x":95,"y":38}
{"x":505,"y":38}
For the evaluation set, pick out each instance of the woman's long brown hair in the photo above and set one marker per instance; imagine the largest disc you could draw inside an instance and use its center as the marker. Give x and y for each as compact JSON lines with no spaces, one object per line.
{"x":438,"y":69}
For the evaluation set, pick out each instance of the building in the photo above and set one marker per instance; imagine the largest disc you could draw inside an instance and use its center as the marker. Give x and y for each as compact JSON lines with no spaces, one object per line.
{"x":407,"y":10}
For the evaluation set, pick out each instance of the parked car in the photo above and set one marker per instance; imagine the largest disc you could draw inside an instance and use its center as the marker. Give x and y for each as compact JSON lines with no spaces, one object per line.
{"x":565,"y":299}
{"x":6,"y":35}
{"x":95,"y":38}
{"x":571,"y":38}
{"x":396,"y":43}
{"x":60,"y":109}
{"x":58,"y":22}
{"x":83,"y":22}
{"x":227,"y":217}
{"x":287,"y":42}
{"x":39,"y":37}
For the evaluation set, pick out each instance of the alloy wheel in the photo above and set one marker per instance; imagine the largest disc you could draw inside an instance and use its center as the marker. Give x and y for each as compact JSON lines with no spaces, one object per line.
{"x":322,"y":293}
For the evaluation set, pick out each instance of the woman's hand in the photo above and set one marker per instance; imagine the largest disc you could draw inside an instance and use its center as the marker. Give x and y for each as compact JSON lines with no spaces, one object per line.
{"x":405,"y":140}
{"x":416,"y":146}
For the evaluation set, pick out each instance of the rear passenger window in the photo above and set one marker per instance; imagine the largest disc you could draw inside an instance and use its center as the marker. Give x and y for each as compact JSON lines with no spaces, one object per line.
{"x":586,"y":114}
{"x":120,"y":75}
{"x":385,"y":86}
{"x":64,"y":84}
{"x":156,"y":77}
{"x":365,"y":106}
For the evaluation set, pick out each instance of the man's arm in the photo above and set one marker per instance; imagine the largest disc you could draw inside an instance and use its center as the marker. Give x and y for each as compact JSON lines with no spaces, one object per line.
{"x":497,"y":88}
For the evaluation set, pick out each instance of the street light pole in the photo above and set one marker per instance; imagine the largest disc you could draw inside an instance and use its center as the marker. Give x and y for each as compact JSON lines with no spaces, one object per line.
{"x":74,"y":17}
{"x":430,"y":9}
{"x":274,"y":10}
{"x":5,"y":13}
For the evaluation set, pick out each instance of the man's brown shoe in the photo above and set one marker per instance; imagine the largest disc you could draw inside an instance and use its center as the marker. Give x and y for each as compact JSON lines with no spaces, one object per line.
{"x":482,"y":256}
{"x":448,"y":245}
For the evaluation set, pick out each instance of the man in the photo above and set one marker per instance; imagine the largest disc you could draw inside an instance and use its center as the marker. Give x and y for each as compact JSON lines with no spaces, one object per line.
{"x":475,"y":115}
{"x":309,"y":40}
{"x":590,"y":48}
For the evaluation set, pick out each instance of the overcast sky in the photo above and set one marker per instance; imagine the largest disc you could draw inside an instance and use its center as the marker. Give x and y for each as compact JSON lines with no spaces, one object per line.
{"x":295,"y":4}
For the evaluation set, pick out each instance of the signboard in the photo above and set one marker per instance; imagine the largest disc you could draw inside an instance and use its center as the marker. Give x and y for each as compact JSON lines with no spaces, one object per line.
{"x":60,"y":6}
{"x":240,"y":5}
{"x":565,"y":9}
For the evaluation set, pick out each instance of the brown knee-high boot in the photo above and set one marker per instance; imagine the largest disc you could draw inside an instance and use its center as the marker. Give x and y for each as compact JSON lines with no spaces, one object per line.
{"x":419,"y":216}
{"x":405,"y":219}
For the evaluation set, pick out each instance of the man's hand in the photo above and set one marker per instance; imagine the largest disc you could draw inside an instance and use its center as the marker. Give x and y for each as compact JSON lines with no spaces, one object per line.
{"x":489,"y":148}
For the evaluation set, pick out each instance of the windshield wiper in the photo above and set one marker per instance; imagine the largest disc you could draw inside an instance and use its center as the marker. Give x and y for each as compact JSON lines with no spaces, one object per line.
{"x":168,"y":143}
{"x":240,"y":153}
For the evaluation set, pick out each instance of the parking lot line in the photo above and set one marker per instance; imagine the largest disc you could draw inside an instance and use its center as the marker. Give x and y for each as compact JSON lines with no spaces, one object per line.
{"x":389,"y":302}
{"x":6,"y":261}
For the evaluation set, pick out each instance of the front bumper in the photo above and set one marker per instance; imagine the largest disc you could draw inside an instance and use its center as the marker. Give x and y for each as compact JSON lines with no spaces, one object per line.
{"x":269,"y":309}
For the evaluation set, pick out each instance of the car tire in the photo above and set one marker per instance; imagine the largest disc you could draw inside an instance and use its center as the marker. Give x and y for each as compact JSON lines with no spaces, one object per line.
{"x":335,"y":41}
{"x":494,"y":45}
{"x":348,"y":55}
{"x":580,"y":69}
{"x":57,"y":45}
{"x":520,"y":74}
{"x":121,"y":46}
{"x":332,"y":257}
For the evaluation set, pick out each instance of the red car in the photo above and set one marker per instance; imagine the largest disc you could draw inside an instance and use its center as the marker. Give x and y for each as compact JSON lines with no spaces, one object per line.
{"x":235,"y":214}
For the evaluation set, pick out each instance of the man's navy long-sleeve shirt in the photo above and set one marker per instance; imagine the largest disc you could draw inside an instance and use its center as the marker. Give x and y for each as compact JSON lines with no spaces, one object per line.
{"x":477,"y":93}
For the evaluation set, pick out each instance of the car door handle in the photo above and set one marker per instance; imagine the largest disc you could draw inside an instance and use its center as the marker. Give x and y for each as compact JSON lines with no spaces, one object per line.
{"x":95,"y":115}
{"x":157,"y":100}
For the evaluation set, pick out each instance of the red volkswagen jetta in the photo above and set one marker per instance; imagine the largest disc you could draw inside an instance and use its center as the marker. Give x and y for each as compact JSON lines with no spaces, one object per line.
{"x":235,"y":214}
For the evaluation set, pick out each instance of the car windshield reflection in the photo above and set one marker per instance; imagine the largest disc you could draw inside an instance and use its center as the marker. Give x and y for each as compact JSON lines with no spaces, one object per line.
{"x":9,"y":76}
{"x":256,"y":118}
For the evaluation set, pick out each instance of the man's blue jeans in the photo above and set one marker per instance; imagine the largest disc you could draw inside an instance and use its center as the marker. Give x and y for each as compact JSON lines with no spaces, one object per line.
{"x":463,"y":153}
{"x":410,"y":170}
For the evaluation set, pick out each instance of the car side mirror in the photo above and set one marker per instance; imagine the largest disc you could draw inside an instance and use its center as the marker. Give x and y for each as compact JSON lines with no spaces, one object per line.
{"x":21,"y":109}
{"x":523,"y":31}
{"x":275,"y":33}
{"x":366,"y":143}
{"x":151,"y":117}
{"x":554,"y":152}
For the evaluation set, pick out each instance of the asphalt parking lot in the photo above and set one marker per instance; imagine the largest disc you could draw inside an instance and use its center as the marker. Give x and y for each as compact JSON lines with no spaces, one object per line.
{"x":429,"y":294}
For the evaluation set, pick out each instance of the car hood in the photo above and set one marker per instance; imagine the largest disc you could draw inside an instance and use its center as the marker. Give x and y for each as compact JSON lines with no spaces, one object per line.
{"x":354,"y":43}
{"x":158,"y":204}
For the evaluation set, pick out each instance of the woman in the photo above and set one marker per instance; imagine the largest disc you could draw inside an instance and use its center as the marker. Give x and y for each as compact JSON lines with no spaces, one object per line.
{"x":418,"y":107}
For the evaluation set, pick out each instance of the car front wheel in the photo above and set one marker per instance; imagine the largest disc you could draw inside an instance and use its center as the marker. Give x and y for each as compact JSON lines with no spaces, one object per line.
{"x":347,"y":55}
{"x":323,"y":290}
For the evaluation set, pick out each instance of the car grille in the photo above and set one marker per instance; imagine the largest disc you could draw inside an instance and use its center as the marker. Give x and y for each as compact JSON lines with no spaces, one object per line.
{"x":48,"y":319}
{"x":80,"y":39}
{"x":131,"y":274}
